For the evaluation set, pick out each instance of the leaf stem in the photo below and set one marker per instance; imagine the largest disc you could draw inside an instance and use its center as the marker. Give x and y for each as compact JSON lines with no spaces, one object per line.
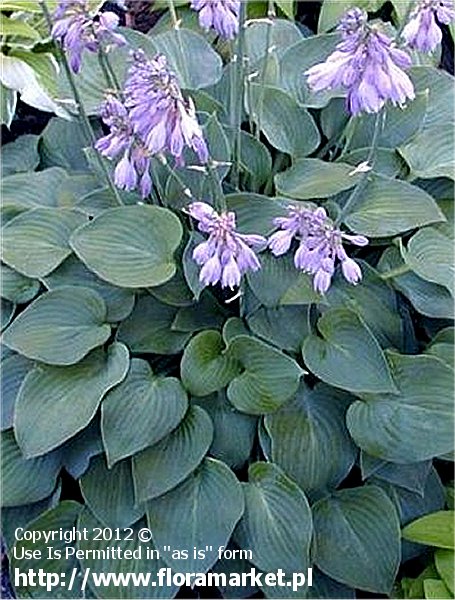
{"x":378,"y":125}
{"x":91,"y":138}
{"x":268,"y":38}
{"x":395,"y":272}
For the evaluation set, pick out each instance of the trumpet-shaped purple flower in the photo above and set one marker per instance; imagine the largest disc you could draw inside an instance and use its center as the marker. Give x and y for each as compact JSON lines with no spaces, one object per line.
{"x":320,"y":245}
{"x":226,"y":255}
{"x":422,"y":32}
{"x":159,"y":114}
{"x":220,"y":15}
{"x":133,"y":168}
{"x":367,"y":65}
{"x":78,"y":30}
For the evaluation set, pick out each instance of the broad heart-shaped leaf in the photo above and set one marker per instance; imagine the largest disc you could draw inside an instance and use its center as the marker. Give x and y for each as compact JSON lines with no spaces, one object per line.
{"x":149,"y":328}
{"x":254,"y":212}
{"x":206,"y":366}
{"x":14,"y":369}
{"x":388,"y":207}
{"x":23,"y":191}
{"x":36,"y":242}
{"x":140,"y":411}
{"x":436,"y":529}
{"x":60,"y":327}
{"x":269,"y":377}
{"x":95,"y":561}
{"x":277,"y":524}
{"x":416,"y":423}
{"x":201,"y":512}
{"x":345,"y":344}
{"x":26,"y":481}
{"x":314,"y":178}
{"x":17,"y":288}
{"x":429,"y":253}
{"x":119,"y":302}
{"x":109,"y":493}
{"x":55,"y":403}
{"x":412,"y":477}
{"x":77,"y":452}
{"x":307,"y":430}
{"x":130,"y":246}
{"x":427,"y":298}
{"x":234,"y":432}
{"x":438,"y":124}
{"x":365,"y":520}
{"x":21,"y":155}
{"x":62,"y":518}
{"x":161,"y":467}
{"x":285,"y":326}
{"x":286,"y":125}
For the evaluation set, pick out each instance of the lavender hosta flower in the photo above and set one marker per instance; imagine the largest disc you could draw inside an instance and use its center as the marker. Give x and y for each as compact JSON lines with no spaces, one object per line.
{"x":320,"y":245}
{"x":422,"y":32}
{"x":160,"y":115}
{"x":133,"y":168}
{"x":220,"y":15}
{"x":226,"y":255}
{"x":367,"y":65}
{"x":78,"y":30}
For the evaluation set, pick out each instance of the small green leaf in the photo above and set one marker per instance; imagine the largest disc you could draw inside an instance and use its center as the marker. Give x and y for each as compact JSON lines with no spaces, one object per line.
{"x":435,"y":529}
{"x":445,"y":561}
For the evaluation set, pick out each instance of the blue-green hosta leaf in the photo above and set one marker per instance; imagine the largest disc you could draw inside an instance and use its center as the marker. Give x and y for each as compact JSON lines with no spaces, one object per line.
{"x":284,"y":326}
{"x":161,"y":467}
{"x":268,"y":379}
{"x":140,"y":411}
{"x":14,"y":369}
{"x":36,"y":242}
{"x":286,"y":125}
{"x":109,"y":493}
{"x":412,"y":476}
{"x":39,"y":189}
{"x":21,"y":155}
{"x":438,"y":125}
{"x":277,"y":524}
{"x":346,"y":343}
{"x":60,"y":327}
{"x":206,"y":366}
{"x":17,"y":288}
{"x":55,"y":403}
{"x":307,"y":430}
{"x":26,"y":481}
{"x":374,"y":301}
{"x":365,"y":520}
{"x":94,"y":561}
{"x":430,"y":254}
{"x":283,"y":34}
{"x":427,"y":298}
{"x":62,"y":144}
{"x":149,"y":328}
{"x":7,"y":310}
{"x":387,"y":207}
{"x":234,"y":432}
{"x":130,"y":246}
{"x":61,"y":518}
{"x":77,"y":452}
{"x":314,"y":178}
{"x":416,"y":423}
{"x":119,"y":301}
{"x":255,"y":212}
{"x":180,"y":517}
{"x":300,"y":57}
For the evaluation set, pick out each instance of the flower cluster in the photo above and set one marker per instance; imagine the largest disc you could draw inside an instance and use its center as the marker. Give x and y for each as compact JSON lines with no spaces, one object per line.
{"x":367,"y":65}
{"x":320,"y":245}
{"x":77,"y":30}
{"x":220,"y":15}
{"x":226,"y":255}
{"x":153,"y":118}
{"x":133,"y":168}
{"x":422,"y":31}
{"x":160,"y":116}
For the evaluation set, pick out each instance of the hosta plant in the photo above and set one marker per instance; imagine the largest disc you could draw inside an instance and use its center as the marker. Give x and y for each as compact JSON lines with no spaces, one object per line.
{"x":227,"y":293}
